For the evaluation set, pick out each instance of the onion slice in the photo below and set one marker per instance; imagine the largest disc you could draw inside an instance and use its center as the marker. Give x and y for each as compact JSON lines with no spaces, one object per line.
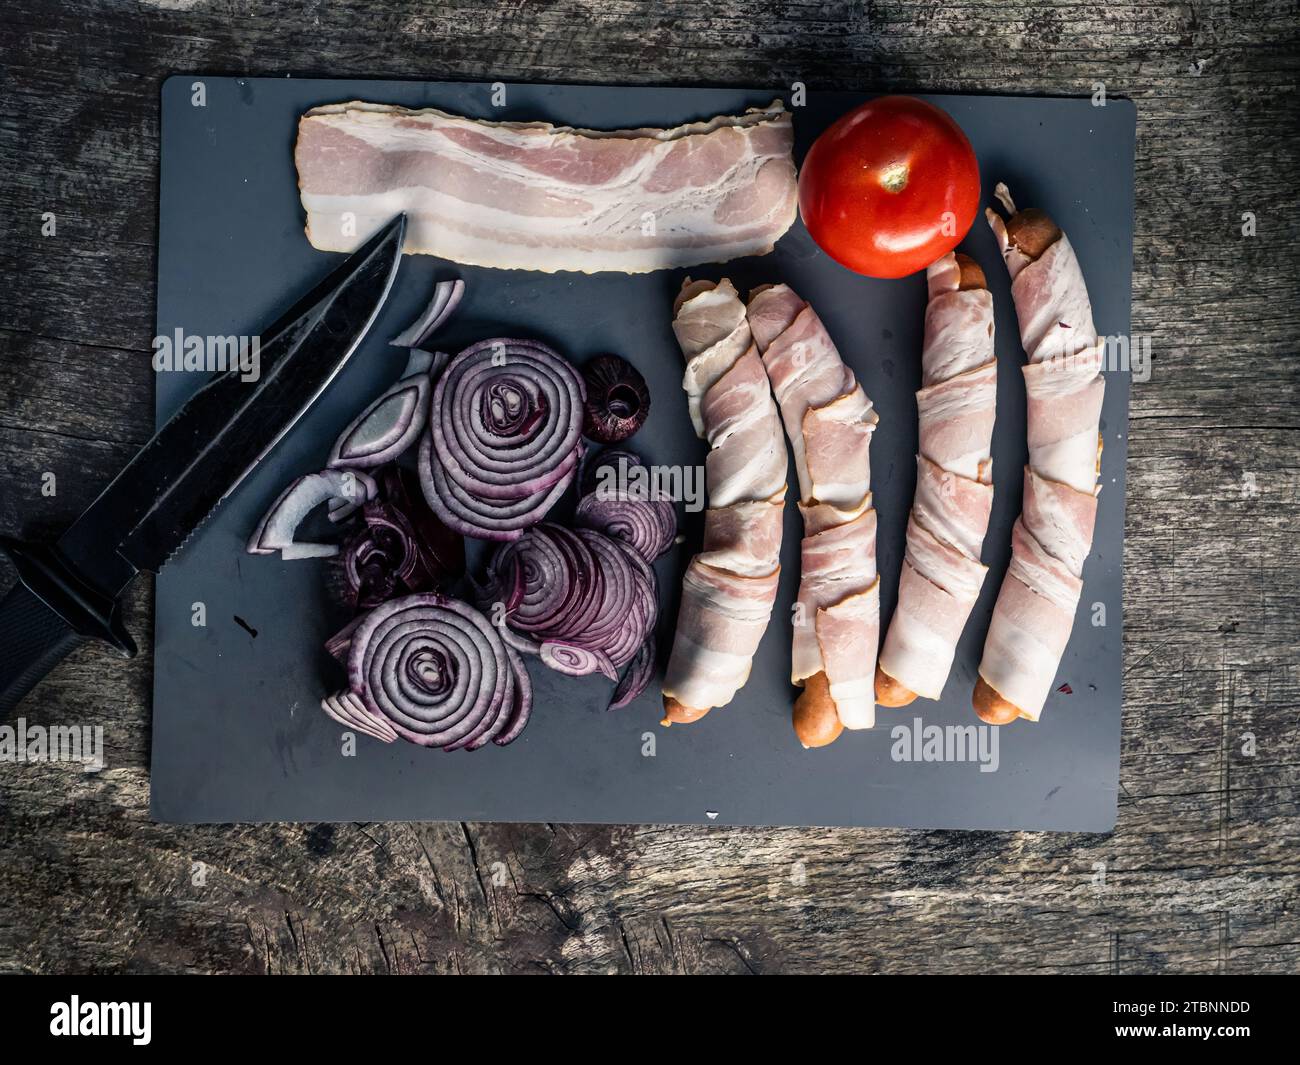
{"x":650,"y":527}
{"x":504,"y":437}
{"x":446,"y":297}
{"x":638,"y":676}
{"x":350,"y":712}
{"x":575,"y":660}
{"x":438,"y":673}
{"x":588,"y":604}
{"x":623,"y":505}
{"x":275,"y":532}
{"x":523,"y":707}
{"x":390,"y":424}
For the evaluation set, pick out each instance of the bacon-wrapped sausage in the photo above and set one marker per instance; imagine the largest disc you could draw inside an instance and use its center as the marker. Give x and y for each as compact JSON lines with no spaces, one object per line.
{"x":1035,"y":609}
{"x":729,"y":588}
{"x":942,"y":573}
{"x":829,"y":421}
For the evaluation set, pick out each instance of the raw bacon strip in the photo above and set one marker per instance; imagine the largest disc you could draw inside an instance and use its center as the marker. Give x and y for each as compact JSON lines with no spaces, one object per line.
{"x":722,"y":618}
{"x":533,"y":196}
{"x":729,"y":588}
{"x":1035,"y":610}
{"x":942,"y":573}
{"x":829,"y":421}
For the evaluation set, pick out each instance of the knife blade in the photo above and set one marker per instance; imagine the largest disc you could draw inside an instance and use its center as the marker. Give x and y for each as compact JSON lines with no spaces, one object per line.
{"x":67,"y":592}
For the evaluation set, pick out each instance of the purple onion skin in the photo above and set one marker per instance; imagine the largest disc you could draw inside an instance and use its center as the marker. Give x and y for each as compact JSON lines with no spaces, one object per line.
{"x":618,"y":399}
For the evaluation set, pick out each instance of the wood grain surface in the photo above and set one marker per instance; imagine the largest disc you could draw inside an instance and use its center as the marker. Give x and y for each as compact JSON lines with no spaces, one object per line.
{"x":1200,"y":875}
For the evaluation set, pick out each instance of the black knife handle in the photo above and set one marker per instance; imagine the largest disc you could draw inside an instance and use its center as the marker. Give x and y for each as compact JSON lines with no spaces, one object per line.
{"x":33,"y":640}
{"x":49,"y":612}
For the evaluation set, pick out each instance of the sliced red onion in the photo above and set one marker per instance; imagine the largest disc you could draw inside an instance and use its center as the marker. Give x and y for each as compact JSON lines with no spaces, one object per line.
{"x":649,"y":526}
{"x":618,"y":592}
{"x":623,"y":644}
{"x":338,"y":644}
{"x":576,"y":661}
{"x":523,"y":707}
{"x":515,"y":595}
{"x":446,"y":297}
{"x":275,"y":532}
{"x":620,"y":506}
{"x":398,"y":547}
{"x":438,"y":673}
{"x":641,"y":621}
{"x":618,"y":400}
{"x":582,"y":592}
{"x":522,"y":644}
{"x":504,"y":437}
{"x":557,"y":571}
{"x":350,"y":712}
{"x":392,"y":423}
{"x":441,"y":550}
{"x":639,"y":673}
{"x":361,"y":489}
{"x":381,"y":558}
{"x":617,"y":460}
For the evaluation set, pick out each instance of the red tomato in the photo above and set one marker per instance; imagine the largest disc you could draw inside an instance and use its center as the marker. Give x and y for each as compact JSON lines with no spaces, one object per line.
{"x":890,"y":187}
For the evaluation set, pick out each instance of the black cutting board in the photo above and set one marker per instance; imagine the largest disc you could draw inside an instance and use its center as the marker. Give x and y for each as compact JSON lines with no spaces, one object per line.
{"x":238,"y":734}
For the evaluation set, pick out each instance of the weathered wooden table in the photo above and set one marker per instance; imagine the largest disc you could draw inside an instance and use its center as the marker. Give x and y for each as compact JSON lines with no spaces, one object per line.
{"x":1201,"y":872}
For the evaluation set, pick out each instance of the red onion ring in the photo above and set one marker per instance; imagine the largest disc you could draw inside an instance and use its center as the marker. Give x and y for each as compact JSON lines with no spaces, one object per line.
{"x":504,"y":437}
{"x":433,"y":669}
{"x":588,"y":604}
{"x":619,"y":590}
{"x":621,"y":511}
{"x":576,"y":661}
{"x":649,"y":526}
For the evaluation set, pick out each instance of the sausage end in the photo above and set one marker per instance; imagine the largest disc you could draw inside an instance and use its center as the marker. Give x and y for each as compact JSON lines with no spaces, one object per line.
{"x":676,"y":713}
{"x":990,"y":707}
{"x":890,"y":692}
{"x":972,"y":275}
{"x":816,"y":721}
{"x":1032,"y":232}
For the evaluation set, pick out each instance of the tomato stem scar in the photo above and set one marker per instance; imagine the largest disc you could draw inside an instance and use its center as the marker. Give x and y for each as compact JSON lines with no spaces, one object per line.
{"x":894,"y":177}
